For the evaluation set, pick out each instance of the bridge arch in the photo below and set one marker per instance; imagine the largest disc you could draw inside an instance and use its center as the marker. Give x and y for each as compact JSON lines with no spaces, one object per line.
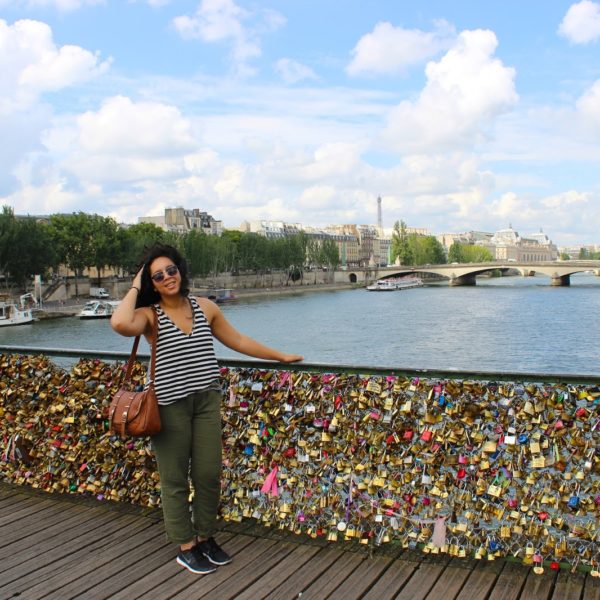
{"x":466,"y":273}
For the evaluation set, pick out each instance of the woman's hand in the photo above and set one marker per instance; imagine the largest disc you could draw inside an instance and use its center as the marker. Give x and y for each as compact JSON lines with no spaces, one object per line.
{"x":291,"y":358}
{"x":137,"y":280}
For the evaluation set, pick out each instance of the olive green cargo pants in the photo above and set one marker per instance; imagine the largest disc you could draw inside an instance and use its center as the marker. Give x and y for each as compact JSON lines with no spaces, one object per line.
{"x":189,"y":447}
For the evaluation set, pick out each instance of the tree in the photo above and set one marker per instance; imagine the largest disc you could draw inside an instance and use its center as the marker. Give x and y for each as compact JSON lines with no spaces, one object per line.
{"x":196,"y":251}
{"x":7,"y":239}
{"x":455,"y":253}
{"x":473,"y":253}
{"x":104,"y":251}
{"x":73,"y":239}
{"x":469,"y":253}
{"x":565,"y":256}
{"x":33,"y":252}
{"x":400,"y":246}
{"x":584,"y":254}
{"x":25,"y":247}
{"x":134,"y":240}
{"x":426,"y":249}
{"x":331,"y":254}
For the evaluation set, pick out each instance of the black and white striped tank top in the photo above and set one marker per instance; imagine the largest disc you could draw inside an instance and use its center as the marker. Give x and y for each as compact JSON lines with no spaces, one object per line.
{"x":184,"y":363}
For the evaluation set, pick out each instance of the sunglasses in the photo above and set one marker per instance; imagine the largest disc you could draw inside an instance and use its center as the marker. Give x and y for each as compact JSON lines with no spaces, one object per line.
{"x":171,"y":271}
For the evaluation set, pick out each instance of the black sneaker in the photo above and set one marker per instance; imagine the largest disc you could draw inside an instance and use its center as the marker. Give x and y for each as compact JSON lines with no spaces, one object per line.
{"x":213,"y":552}
{"x":195,"y":562}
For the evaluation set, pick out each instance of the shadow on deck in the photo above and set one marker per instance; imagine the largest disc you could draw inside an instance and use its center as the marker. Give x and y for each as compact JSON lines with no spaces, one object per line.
{"x":66,"y":547}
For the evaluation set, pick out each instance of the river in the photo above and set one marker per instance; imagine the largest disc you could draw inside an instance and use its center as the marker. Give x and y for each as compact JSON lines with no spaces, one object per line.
{"x":509,"y":324}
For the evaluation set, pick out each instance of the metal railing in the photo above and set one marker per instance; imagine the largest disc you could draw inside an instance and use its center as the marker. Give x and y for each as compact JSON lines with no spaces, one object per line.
{"x":587,"y":379}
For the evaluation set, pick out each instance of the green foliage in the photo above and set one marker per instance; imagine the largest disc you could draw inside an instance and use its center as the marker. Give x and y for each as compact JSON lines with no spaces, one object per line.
{"x":72,"y":239}
{"x":106,"y":244}
{"x":7,"y":238}
{"x":25,"y":247}
{"x":413,"y":249}
{"x":585,"y":254}
{"x":331,"y":254}
{"x":401,"y":247}
{"x":455,"y":253}
{"x":426,"y":249}
{"x":469,"y":253}
{"x":131,"y":244}
{"x":565,"y":256}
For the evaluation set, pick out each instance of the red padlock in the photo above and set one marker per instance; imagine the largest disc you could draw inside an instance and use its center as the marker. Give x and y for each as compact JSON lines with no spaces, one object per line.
{"x":427,"y":435}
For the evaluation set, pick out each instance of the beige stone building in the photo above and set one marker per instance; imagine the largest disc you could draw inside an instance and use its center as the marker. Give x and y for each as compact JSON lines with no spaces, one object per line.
{"x":508,"y":245}
{"x":182,"y":220}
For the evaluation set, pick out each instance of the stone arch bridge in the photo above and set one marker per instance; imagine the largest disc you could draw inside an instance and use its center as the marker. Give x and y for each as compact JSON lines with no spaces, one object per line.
{"x":559,"y":273}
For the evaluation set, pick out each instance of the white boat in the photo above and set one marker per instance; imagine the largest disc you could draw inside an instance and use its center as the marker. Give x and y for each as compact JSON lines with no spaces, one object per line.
{"x":382,"y":285}
{"x":11,"y":314}
{"x":408,"y":282}
{"x":96,"y":309}
{"x":393,"y":285}
{"x":221,"y":295}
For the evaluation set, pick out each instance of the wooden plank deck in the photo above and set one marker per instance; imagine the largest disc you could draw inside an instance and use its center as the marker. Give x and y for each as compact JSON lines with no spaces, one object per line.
{"x":63,"y":547}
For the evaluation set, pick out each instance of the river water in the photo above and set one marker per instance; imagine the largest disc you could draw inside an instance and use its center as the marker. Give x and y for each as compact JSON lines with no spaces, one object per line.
{"x":509,"y":324}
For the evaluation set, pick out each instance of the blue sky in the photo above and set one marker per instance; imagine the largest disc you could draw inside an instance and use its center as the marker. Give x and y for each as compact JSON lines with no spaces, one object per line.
{"x":462,"y":115}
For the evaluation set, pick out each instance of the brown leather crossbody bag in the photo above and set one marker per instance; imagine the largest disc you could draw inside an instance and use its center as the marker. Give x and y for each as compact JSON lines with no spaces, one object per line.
{"x":135,"y":413}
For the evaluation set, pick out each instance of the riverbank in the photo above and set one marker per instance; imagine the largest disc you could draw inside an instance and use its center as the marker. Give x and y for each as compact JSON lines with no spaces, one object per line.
{"x":72,"y":306}
{"x":287,"y":290}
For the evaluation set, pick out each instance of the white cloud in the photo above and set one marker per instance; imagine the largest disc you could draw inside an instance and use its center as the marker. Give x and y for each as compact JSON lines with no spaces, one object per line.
{"x":31,"y":64}
{"x":123,"y":127}
{"x":214,"y":21}
{"x":389,"y":49}
{"x":589,"y":105}
{"x":292,"y":71}
{"x":223,"y":21}
{"x":123,"y":141}
{"x":509,"y":206}
{"x":570,"y":200}
{"x":464,"y":92}
{"x":581,"y":24}
{"x":61,"y":5}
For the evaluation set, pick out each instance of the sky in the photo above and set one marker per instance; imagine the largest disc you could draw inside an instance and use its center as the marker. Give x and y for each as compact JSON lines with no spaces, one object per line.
{"x":461,"y":115}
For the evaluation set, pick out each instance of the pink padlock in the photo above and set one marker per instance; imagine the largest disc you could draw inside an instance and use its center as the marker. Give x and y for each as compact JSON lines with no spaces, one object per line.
{"x":462,"y":459}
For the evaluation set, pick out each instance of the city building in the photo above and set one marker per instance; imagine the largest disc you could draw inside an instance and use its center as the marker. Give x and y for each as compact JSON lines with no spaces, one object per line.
{"x":271,"y":229}
{"x":468,"y":237}
{"x":367,"y":246}
{"x":575,"y":252}
{"x":182,"y":220}
{"x":507,"y":244}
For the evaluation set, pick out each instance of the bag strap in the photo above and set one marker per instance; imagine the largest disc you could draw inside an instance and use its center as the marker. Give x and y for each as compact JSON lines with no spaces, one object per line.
{"x":135,"y":348}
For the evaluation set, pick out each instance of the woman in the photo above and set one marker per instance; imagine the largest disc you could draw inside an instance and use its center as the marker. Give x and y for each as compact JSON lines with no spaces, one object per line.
{"x":189,"y":395}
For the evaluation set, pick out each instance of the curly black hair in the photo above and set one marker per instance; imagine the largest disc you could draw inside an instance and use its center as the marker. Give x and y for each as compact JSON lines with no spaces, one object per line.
{"x":148,"y":295}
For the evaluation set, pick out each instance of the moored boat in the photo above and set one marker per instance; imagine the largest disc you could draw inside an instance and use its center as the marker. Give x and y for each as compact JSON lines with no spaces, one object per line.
{"x":96,"y":309}
{"x":11,"y":314}
{"x":221,"y":295}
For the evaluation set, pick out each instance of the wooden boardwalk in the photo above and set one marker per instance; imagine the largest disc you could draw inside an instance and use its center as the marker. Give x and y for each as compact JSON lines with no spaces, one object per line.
{"x":62,"y":547}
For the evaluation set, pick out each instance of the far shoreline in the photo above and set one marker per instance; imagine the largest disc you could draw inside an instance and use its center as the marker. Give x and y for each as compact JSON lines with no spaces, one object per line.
{"x":241,"y":293}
